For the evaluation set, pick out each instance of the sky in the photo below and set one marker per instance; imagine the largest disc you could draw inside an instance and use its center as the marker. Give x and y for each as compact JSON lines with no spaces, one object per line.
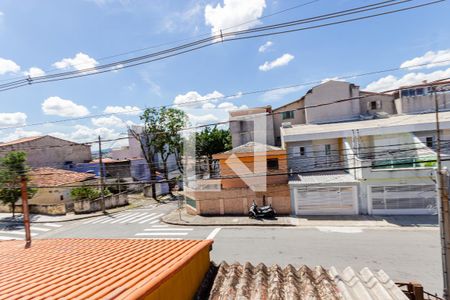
{"x":44,"y":37}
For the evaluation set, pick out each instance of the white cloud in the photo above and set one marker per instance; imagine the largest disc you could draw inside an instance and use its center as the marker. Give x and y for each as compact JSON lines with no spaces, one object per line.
{"x":208,"y":106}
{"x":280,"y":93}
{"x":8,"y":66}
{"x":263,"y":48}
{"x":34,"y":72}
{"x":236,"y":96}
{"x":202,"y":119}
{"x":280,"y":61}
{"x":431,"y":58}
{"x":111,"y":121}
{"x":18,"y":134}
{"x":79,"y":62}
{"x":330,"y":79}
{"x":391,"y":82}
{"x":194,"y":99}
{"x":64,"y":108}
{"x":13,"y":119}
{"x":230,"y":106}
{"x":116,"y":68}
{"x":182,"y":20}
{"x":126,"y":110}
{"x":242,"y":14}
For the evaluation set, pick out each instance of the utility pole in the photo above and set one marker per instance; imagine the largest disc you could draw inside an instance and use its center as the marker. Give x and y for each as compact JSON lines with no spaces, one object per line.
{"x":102,"y":184}
{"x":443,"y":203}
{"x":25,"y":211}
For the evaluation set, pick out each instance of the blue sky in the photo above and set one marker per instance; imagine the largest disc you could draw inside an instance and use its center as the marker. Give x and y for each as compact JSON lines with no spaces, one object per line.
{"x":59,"y":35}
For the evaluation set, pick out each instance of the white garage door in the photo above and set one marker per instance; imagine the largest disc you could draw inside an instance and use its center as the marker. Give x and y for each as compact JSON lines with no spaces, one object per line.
{"x":403,"y":199}
{"x":326,"y":200}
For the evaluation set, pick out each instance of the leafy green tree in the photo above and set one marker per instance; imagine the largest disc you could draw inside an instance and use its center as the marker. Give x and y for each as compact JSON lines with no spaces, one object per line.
{"x":160,"y":135}
{"x":85,"y":192}
{"x":12,"y":168}
{"x":211,"y":141}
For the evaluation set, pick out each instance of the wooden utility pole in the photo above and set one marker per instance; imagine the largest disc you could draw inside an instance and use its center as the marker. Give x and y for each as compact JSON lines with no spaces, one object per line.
{"x":25,"y":211}
{"x":444,"y":220}
{"x":102,"y":184}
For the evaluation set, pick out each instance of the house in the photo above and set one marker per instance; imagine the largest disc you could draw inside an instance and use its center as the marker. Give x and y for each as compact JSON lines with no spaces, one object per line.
{"x":49,"y":151}
{"x":250,"y":172}
{"x":54,"y":185}
{"x":103,"y":269}
{"x":379,"y":166}
{"x":320,"y":104}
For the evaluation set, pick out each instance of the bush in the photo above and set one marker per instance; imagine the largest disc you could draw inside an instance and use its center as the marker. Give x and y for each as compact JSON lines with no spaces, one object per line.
{"x":81,"y":193}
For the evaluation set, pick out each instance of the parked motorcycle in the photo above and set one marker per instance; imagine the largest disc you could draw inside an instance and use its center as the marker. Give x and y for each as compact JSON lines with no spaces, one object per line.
{"x":256,"y":212}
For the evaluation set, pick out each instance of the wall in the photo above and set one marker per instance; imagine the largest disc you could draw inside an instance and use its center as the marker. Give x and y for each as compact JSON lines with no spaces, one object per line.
{"x":299,"y":118}
{"x":423,"y":103}
{"x":386,"y":103}
{"x":329,"y":92}
{"x":43,"y":154}
{"x":237,"y":201}
{"x":43,"y":209}
{"x":242,"y":126}
{"x":88,"y":206}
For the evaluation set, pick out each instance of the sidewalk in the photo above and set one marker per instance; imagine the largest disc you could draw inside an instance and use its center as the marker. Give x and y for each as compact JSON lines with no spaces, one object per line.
{"x":183,"y":218}
{"x":134,"y":202}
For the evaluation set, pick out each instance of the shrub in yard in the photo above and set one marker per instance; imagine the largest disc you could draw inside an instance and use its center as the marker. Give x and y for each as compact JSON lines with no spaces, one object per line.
{"x":80,"y":193}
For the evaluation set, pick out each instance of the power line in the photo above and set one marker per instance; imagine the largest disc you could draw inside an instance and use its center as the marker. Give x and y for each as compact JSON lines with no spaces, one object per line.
{"x":207,"y":42}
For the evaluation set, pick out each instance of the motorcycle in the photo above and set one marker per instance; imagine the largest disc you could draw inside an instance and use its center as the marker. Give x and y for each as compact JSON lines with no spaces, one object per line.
{"x":256,"y":212}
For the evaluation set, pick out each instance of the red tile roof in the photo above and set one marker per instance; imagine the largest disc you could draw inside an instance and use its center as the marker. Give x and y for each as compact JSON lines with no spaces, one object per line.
{"x":91,"y":268}
{"x":56,"y":177}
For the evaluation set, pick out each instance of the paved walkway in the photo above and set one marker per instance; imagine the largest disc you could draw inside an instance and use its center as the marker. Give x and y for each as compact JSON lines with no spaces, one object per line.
{"x":178,"y":217}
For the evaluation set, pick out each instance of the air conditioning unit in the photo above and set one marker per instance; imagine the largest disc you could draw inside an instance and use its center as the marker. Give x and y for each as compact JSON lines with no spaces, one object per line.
{"x":286,"y":125}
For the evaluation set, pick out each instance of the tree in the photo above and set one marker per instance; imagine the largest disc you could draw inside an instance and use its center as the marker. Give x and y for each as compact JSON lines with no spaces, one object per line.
{"x":12,"y":168}
{"x":212,"y":141}
{"x":160,"y":134}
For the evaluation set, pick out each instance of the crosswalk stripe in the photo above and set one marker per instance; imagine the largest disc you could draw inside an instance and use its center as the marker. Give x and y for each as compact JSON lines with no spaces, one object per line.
{"x":169,"y":229}
{"x":160,"y":233}
{"x":101,"y":219}
{"x":7,"y":238}
{"x":52,"y":225}
{"x":39,"y":228}
{"x":152,"y":218}
{"x":141,"y":218}
{"x":129,"y":218}
{"x":117,"y":218}
{"x":154,"y":222}
{"x":18,"y":232}
{"x":160,"y":226}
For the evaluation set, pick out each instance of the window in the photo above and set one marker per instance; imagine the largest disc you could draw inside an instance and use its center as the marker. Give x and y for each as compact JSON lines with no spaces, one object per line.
{"x":287,"y":115}
{"x":373,"y":104}
{"x":419,"y":92}
{"x":430,"y":142}
{"x":302,"y":151}
{"x":405,"y":93}
{"x":278,"y":142}
{"x":272,"y":164}
{"x":328,"y":149}
{"x":412,"y":92}
{"x":61,"y":197}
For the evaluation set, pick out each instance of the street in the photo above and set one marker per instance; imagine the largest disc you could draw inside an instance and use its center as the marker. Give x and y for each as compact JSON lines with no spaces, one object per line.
{"x":406,"y":254}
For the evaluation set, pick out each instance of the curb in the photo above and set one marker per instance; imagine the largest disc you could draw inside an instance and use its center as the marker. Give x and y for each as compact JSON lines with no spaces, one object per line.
{"x":226,"y":224}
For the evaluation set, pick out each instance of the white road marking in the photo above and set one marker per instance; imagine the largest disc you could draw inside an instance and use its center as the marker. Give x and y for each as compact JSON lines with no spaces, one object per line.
{"x":150,"y":238}
{"x":7,"y":238}
{"x":142,"y":218}
{"x":101,"y":219}
{"x":152,"y":218}
{"x":39,"y":228}
{"x":118,"y":218}
{"x":52,"y":225}
{"x":132,"y":217}
{"x":18,"y":232}
{"x":160,"y":233}
{"x":213,"y":233}
{"x":169,"y":229}
{"x":154,"y":222}
{"x":340,"y":229}
{"x":160,"y":226}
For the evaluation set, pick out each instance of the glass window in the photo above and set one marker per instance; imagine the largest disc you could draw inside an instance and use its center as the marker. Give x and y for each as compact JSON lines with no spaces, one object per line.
{"x":419,"y":92}
{"x":302,"y":151}
{"x":405,"y":93}
{"x":412,"y":92}
{"x":373,"y":105}
{"x":430,"y":142}
{"x":287,"y":115}
{"x":328,"y":149}
{"x":272,"y":164}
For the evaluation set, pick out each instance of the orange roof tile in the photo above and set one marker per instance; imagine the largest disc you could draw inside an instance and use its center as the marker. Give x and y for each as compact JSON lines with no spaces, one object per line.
{"x":55,"y":177}
{"x":91,"y":268}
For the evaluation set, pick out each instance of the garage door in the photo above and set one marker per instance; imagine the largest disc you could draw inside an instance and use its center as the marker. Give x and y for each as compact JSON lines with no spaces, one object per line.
{"x":403,"y":199}
{"x":326,"y":200}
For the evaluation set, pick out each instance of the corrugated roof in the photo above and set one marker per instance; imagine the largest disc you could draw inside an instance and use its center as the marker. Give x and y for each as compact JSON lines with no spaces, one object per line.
{"x":22,"y":140}
{"x":252,"y":147}
{"x":366,"y":285}
{"x":55,"y":177}
{"x":91,"y":268}
{"x":338,"y":177}
{"x":246,"y":281}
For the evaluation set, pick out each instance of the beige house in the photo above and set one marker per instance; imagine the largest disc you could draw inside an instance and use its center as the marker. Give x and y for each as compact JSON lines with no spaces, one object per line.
{"x":54,"y":185}
{"x":49,"y":151}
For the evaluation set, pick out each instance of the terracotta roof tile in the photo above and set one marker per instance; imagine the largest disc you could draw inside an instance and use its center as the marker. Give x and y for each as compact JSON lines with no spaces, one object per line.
{"x":91,"y":268}
{"x":56,"y":177}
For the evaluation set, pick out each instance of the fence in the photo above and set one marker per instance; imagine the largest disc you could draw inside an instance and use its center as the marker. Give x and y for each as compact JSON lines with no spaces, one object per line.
{"x":88,"y":206}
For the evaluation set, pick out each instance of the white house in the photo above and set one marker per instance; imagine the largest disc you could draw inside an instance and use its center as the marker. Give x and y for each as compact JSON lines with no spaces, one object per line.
{"x":378,"y":166}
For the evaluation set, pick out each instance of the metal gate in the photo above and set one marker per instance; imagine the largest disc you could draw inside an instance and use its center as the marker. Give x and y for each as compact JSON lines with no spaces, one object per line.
{"x":328,"y":200}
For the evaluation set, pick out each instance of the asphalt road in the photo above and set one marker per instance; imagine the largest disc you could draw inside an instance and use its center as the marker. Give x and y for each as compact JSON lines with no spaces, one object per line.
{"x":405,"y":254}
